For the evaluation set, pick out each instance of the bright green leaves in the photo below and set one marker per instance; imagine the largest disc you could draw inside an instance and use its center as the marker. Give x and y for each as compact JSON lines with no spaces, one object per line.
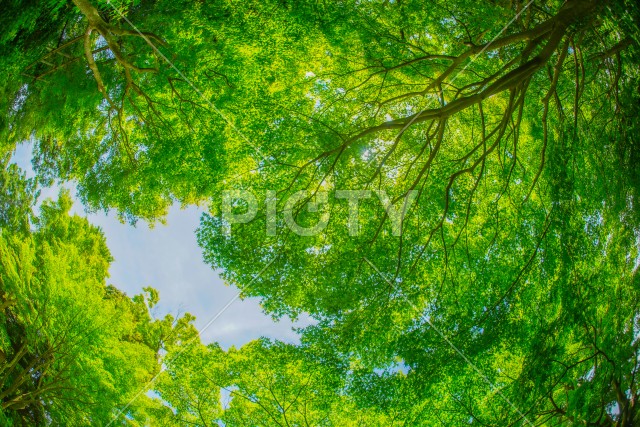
{"x":514,"y":167}
{"x":17,"y":195}
{"x":262,"y":384}
{"x":73,"y":350}
{"x":515,"y":127}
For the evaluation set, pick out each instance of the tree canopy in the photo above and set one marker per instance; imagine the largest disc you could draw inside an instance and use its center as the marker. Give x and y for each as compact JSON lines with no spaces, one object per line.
{"x":71,"y":346}
{"x":463,"y":184}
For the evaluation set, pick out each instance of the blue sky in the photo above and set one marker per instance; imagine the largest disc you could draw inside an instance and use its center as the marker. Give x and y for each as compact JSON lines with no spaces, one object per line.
{"x":168,"y":258}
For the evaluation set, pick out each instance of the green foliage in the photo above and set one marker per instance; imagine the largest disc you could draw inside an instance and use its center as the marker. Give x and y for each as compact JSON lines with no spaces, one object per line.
{"x":17,"y":195}
{"x":262,"y":384}
{"x":510,"y":297}
{"x":73,"y":350}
